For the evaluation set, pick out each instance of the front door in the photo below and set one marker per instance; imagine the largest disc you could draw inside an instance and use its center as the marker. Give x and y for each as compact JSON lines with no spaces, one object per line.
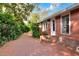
{"x":53,"y":27}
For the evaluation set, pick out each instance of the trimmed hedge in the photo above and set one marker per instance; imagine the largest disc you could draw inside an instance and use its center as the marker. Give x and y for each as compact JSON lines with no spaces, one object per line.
{"x":10,"y":29}
{"x":35,"y":30}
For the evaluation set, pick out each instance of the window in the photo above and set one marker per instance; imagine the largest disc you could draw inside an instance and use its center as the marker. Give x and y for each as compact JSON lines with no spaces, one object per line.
{"x":46,"y":25}
{"x":53,"y":25}
{"x":65,"y":24}
{"x":42,"y":26}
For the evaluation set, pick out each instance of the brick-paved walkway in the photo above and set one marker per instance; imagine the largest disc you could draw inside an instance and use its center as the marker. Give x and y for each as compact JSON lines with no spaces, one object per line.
{"x":29,"y":46}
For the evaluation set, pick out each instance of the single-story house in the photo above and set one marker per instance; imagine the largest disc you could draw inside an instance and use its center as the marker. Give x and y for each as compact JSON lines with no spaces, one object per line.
{"x":63,"y":26}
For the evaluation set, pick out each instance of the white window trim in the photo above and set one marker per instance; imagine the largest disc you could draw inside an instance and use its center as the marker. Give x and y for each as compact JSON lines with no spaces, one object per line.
{"x":51,"y":26}
{"x":42,"y":26}
{"x":69,"y":23}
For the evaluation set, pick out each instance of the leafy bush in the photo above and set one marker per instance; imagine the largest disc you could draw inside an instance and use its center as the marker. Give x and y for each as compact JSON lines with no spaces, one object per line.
{"x":10,"y":29}
{"x":24,"y":28}
{"x":35,"y":30}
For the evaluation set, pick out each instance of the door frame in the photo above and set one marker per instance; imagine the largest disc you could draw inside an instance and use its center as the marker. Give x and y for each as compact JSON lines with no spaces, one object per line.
{"x":53,"y":33}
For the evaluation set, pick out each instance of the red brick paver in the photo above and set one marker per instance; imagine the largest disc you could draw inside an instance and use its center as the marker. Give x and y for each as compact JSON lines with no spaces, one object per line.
{"x":28,"y":46}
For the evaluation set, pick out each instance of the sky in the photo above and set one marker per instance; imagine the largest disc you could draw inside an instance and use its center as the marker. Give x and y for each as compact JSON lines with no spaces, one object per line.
{"x":44,"y":5}
{"x":51,"y":9}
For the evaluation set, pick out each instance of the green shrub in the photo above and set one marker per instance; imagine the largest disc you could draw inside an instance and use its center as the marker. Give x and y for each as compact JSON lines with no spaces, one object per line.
{"x":35,"y":30}
{"x":10,"y":29}
{"x":24,"y":28}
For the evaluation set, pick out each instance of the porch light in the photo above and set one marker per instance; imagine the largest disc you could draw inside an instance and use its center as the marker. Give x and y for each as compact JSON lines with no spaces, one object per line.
{"x":39,"y":26}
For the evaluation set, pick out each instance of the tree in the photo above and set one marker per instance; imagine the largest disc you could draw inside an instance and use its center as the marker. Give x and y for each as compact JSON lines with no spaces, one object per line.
{"x":19,"y":10}
{"x":45,"y":12}
{"x":34,"y":17}
{"x":11,"y":20}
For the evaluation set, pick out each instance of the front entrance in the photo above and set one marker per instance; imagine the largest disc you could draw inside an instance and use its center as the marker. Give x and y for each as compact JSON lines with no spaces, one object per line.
{"x":53,"y":27}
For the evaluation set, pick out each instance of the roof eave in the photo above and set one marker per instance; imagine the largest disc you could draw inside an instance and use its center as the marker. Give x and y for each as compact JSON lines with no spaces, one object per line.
{"x":75,"y":6}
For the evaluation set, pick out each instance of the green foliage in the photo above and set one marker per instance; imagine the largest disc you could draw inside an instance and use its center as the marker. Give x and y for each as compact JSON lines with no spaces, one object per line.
{"x":35,"y":30}
{"x":11,"y":20}
{"x":34,"y":17}
{"x":10,"y":29}
{"x":19,"y":10}
{"x":24,"y":28}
